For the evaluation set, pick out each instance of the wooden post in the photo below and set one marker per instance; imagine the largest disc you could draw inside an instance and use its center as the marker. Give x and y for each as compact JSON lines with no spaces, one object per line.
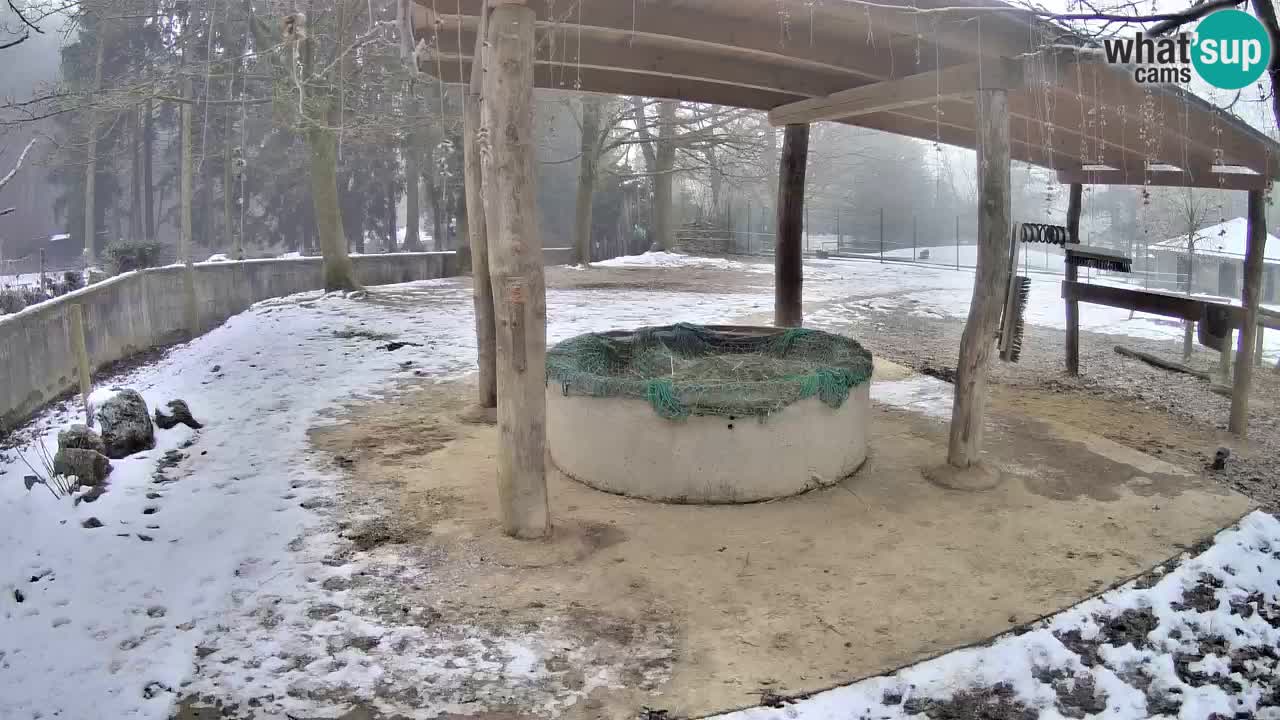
{"x":42,"y":269}
{"x":481,"y":286}
{"x":81,"y":351}
{"x":881,"y":234}
{"x":989,"y":278}
{"x":788,"y":260}
{"x":1074,"y":205}
{"x":957,"y":242}
{"x":1257,"y":230}
{"x":515,"y":269}
{"x":839,"y":235}
{"x":1225,"y":356}
{"x":1257,"y":347}
{"x":913,"y":237}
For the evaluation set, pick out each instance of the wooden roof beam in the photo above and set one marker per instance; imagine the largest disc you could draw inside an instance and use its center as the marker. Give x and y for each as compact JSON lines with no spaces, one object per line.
{"x":954,"y":83}
{"x":1198,"y":177}
{"x":592,"y":51}
{"x":698,"y":31}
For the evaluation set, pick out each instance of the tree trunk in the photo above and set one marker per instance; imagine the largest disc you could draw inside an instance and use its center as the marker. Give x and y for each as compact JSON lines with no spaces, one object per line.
{"x":135,"y":176}
{"x":1250,"y":298}
{"x":412,"y":173}
{"x":339,"y":273}
{"x":769,"y":158}
{"x":788,"y":259}
{"x":148,"y":190}
{"x":391,"y":210}
{"x":515,"y":257}
{"x":1188,"y":328}
{"x":587,"y":179}
{"x":663,"y":181}
{"x":990,"y":276}
{"x":228,"y":191}
{"x":184,"y":239}
{"x":91,"y":168}
{"x":481,"y":284}
{"x":186,"y":182}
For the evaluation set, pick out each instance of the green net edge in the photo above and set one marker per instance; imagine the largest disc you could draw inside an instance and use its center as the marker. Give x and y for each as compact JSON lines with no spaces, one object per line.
{"x":831,"y":383}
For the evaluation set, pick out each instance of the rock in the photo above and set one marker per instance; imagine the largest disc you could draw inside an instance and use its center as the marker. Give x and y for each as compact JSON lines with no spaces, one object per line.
{"x":1220,"y":458}
{"x":126,"y":425}
{"x":81,"y":437}
{"x":91,"y":523}
{"x":90,"y":467}
{"x":180,"y":413}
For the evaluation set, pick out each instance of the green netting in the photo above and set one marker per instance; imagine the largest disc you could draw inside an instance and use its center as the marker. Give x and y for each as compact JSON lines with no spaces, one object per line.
{"x":685,"y":370}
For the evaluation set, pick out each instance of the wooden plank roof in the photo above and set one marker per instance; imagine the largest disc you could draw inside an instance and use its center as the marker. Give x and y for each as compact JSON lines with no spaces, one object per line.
{"x":1072,"y":113}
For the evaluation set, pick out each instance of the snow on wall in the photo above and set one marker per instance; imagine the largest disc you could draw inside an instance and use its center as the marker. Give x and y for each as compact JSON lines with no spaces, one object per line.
{"x":140,"y":310}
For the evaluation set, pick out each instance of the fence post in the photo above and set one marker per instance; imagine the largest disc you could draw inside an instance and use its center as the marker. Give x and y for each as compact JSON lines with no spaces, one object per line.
{"x":881,"y":234}
{"x":839,"y":235}
{"x":42,"y":269}
{"x":806,"y":228}
{"x":81,"y":352}
{"x":914,"y":252}
{"x":748,"y":226}
{"x":957,"y":242}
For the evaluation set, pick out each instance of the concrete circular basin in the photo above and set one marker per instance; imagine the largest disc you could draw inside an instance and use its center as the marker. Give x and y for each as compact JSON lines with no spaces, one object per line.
{"x":619,"y":444}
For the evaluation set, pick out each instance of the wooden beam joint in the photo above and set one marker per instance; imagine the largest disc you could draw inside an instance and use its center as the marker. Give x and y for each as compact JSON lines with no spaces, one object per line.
{"x":961,"y":82}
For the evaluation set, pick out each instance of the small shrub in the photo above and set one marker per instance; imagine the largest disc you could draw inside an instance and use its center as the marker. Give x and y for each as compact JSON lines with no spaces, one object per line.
{"x":13,"y":299}
{"x":126,"y":256}
{"x":72,"y":280}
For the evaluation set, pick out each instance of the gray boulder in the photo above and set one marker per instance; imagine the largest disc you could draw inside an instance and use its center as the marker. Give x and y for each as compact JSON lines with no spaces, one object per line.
{"x":180,"y":414}
{"x":126,"y":424}
{"x":90,"y":467}
{"x":81,"y":437}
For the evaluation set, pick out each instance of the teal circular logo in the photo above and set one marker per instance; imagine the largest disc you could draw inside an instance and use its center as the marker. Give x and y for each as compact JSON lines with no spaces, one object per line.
{"x":1231,"y":49}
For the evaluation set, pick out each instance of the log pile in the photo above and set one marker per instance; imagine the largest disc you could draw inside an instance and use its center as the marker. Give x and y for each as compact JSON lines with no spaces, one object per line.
{"x":702,"y":238}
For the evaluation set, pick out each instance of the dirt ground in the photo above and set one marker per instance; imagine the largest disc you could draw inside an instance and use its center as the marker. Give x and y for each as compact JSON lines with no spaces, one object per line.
{"x":689,"y":609}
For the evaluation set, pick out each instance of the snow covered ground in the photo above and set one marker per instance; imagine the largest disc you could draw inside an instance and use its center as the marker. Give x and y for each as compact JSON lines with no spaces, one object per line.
{"x":221,"y":536}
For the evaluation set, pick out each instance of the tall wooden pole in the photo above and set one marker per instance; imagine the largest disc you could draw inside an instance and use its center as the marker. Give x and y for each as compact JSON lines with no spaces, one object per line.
{"x":75,"y":315}
{"x":1074,"y":203}
{"x":481,"y":286}
{"x":1257,"y":228}
{"x":515,"y":268}
{"x":788,"y":259}
{"x":989,"y":278}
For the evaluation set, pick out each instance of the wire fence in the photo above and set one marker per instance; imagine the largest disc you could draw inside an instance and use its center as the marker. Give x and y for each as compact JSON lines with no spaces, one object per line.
{"x":950,"y":242}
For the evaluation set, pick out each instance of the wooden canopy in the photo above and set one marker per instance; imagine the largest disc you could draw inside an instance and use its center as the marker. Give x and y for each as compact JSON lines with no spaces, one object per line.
{"x":910,"y":69}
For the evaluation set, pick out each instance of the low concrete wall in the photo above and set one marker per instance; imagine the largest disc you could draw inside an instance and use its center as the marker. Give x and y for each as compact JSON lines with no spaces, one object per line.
{"x":140,"y":310}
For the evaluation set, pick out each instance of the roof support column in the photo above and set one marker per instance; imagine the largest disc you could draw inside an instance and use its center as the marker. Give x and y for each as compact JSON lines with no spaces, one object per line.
{"x":515,"y":269}
{"x":481,"y":288}
{"x":1074,"y":203}
{"x":989,"y":281}
{"x":1257,"y":234}
{"x":788,"y":259}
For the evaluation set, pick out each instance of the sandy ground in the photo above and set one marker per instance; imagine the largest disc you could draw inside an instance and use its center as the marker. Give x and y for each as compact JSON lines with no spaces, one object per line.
{"x":689,"y":608}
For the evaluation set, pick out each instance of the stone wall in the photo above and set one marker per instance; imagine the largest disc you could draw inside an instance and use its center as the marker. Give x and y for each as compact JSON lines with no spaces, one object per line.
{"x":137,"y":311}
